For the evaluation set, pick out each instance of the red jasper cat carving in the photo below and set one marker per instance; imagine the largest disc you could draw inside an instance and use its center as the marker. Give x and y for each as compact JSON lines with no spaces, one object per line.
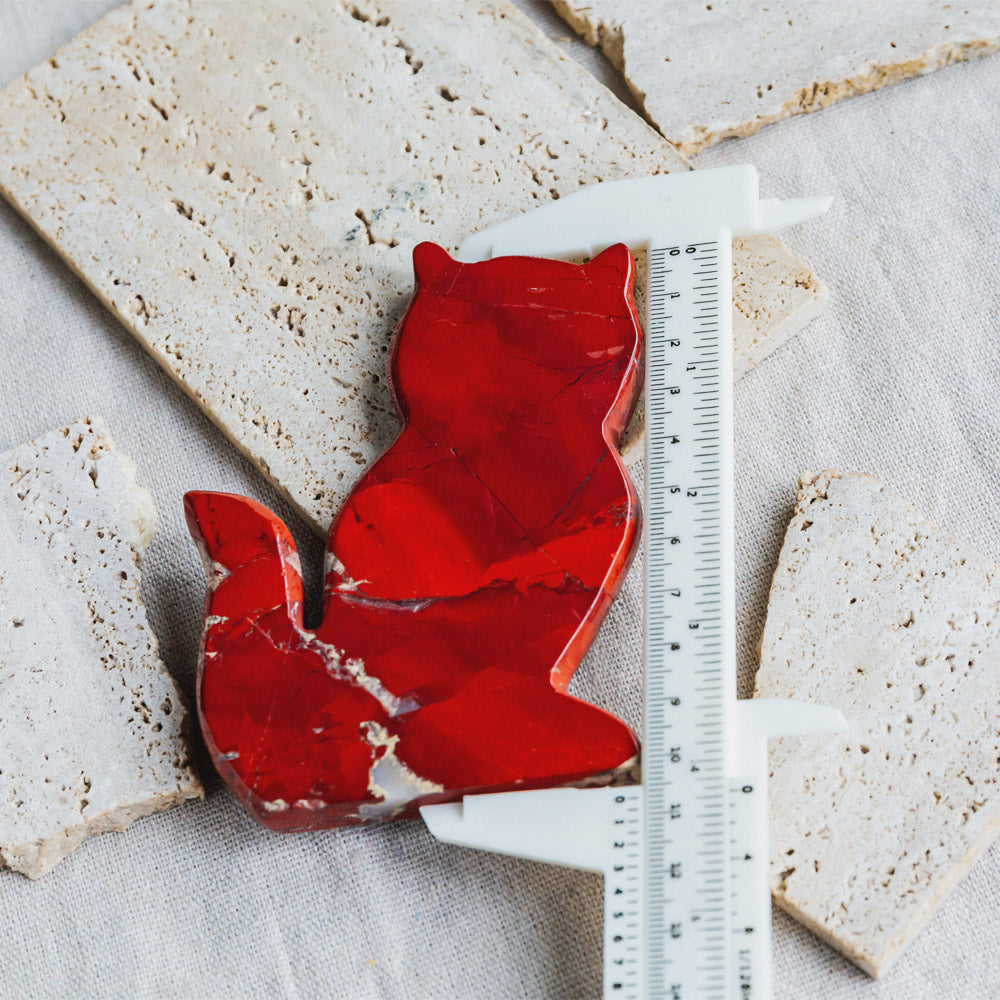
{"x":467,"y":572}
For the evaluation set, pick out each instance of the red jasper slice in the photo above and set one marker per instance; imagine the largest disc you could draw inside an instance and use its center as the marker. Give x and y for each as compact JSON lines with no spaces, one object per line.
{"x":467,"y":572}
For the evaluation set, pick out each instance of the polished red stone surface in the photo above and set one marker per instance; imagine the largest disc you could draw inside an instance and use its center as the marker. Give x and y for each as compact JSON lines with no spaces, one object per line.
{"x":467,"y":573}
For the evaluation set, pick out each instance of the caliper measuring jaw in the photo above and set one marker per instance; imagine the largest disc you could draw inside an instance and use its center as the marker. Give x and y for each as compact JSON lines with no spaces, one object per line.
{"x":687,"y":904}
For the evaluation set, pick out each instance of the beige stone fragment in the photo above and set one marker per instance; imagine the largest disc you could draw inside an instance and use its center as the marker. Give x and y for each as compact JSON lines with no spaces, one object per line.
{"x":705,"y":72}
{"x":877,"y":612}
{"x":245,"y":194}
{"x":92,"y":727}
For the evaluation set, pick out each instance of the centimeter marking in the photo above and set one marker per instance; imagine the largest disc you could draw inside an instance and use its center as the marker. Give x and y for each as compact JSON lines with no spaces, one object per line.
{"x":687,"y":904}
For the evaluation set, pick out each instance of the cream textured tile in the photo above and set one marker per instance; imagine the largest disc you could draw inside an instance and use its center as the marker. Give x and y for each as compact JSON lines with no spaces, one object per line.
{"x":91,"y":725}
{"x":245,"y":194}
{"x":705,"y":72}
{"x":877,"y":612}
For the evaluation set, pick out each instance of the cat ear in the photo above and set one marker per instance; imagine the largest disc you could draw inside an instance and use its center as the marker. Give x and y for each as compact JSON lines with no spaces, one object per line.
{"x":616,"y":257}
{"x":431,"y":263}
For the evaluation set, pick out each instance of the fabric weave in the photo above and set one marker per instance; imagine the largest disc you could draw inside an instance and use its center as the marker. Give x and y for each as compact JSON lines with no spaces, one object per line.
{"x":900,"y":378}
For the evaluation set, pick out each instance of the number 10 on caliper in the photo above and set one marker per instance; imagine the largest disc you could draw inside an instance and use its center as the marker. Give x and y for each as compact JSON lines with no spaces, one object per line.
{"x":684,"y":854}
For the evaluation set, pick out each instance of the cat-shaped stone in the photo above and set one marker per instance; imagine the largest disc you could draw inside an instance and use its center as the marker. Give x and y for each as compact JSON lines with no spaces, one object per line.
{"x":467,"y":572}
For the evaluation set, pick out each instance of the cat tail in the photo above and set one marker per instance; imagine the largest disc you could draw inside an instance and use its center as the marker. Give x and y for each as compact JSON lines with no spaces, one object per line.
{"x":254,"y":574}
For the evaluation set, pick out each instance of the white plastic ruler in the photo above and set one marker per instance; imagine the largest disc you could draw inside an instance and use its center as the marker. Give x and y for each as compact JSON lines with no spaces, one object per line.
{"x":684,"y":854}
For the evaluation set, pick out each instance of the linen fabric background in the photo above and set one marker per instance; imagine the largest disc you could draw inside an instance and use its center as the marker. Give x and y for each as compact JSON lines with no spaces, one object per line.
{"x":900,"y":378}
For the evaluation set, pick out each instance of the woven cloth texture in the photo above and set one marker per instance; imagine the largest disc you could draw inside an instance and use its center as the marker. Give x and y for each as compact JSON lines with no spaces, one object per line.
{"x":900,"y":378}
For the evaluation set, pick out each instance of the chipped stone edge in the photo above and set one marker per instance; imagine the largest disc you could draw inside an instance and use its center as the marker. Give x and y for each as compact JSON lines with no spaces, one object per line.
{"x":821,"y":95}
{"x":609,"y":36}
{"x":815,"y":486}
{"x":37,"y":858}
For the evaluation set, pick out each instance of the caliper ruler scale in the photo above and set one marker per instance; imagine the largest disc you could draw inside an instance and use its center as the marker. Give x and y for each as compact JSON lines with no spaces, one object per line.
{"x":690,"y":649}
{"x":684,"y":854}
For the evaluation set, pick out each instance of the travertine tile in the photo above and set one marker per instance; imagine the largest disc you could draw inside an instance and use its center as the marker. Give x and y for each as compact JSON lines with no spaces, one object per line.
{"x":92,"y":727}
{"x":245,"y":194}
{"x":878,"y":613}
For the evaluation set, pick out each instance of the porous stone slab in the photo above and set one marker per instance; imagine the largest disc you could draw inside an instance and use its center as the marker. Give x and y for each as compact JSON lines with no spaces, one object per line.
{"x":245,"y":194}
{"x":92,"y":727}
{"x":705,"y":72}
{"x":877,"y":612}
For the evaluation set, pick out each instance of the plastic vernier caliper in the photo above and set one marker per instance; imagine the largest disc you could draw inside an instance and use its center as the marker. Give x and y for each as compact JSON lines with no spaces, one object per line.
{"x":684,"y":854}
